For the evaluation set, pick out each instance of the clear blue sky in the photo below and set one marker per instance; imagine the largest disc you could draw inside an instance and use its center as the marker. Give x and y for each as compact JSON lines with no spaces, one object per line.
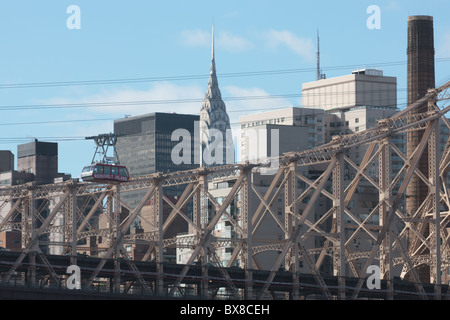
{"x":164,"y":41}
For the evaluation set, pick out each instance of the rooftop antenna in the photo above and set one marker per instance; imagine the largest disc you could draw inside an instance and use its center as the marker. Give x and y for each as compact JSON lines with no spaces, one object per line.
{"x":319,"y":74}
{"x":318,"y":57}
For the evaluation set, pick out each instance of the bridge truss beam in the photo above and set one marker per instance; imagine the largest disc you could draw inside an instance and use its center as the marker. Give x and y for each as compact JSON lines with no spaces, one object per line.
{"x":400,"y":241}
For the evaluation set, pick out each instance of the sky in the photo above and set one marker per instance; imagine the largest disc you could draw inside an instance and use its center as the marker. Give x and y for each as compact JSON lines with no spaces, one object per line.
{"x":66,"y":75}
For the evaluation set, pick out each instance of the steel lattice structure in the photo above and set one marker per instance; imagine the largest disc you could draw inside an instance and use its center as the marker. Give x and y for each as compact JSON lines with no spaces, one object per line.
{"x":401,"y":239}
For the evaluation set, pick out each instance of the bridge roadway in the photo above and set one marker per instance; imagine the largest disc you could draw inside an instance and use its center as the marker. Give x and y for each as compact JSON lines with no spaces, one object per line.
{"x":282,"y":281}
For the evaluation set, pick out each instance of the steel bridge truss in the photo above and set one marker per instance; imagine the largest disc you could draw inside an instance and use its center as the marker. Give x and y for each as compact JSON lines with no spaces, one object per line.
{"x":401,"y":240}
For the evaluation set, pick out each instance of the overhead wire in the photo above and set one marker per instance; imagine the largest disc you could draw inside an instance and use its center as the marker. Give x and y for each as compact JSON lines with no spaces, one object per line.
{"x":168,"y":101}
{"x":77,"y":138}
{"x":195,"y":77}
{"x":173,"y":101}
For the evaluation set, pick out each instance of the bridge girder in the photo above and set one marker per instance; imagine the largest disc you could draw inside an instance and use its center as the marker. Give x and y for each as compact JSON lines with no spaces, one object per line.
{"x":400,"y":240}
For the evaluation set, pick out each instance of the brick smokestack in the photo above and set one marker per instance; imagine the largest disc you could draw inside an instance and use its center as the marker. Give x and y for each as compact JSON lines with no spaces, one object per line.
{"x":421,"y":77}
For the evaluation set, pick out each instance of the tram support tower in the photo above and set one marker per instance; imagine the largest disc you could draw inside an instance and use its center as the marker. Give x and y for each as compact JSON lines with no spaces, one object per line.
{"x":103,"y":142}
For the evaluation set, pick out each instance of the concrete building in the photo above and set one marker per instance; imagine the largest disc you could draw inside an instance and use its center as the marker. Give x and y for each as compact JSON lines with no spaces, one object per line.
{"x":297,"y":129}
{"x":11,"y":240}
{"x":14,"y":178}
{"x":366,"y":87}
{"x":306,"y":128}
{"x":6,"y":160}
{"x":37,"y":163}
{"x":331,"y":107}
{"x":39,"y":159}
{"x":356,"y":102}
{"x":358,"y":119}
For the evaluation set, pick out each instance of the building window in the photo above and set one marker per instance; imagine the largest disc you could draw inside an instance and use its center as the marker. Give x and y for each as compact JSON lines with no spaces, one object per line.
{"x":356,"y":120}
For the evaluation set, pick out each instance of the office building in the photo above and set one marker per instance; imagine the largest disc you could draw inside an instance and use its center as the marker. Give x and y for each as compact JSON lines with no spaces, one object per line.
{"x":365,"y":87}
{"x":40,"y":159}
{"x":331,"y":107}
{"x":297,"y":129}
{"x":37,"y":162}
{"x":145,"y":145}
{"x":6,"y":160}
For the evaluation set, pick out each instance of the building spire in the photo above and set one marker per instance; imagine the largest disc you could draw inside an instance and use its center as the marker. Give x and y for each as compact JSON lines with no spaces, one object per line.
{"x":214,"y":121}
{"x":213,"y":91}
{"x":212,"y":54}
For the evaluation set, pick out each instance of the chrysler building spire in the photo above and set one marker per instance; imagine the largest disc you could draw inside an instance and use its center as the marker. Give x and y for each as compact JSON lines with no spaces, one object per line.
{"x":212,"y":54}
{"x":216,"y":138}
{"x":213,"y":91}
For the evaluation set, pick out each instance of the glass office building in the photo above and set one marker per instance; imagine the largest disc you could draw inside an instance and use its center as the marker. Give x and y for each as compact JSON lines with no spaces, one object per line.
{"x":144,"y":145}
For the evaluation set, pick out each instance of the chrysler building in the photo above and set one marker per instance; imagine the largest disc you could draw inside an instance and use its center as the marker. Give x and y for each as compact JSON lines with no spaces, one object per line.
{"x":216,"y":139}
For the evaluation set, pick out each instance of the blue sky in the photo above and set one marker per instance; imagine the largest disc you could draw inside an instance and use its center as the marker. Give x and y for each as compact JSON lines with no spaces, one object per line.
{"x":164,"y":41}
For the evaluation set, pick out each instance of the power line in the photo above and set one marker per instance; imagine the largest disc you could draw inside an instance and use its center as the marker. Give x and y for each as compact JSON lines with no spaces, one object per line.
{"x":196,"y":77}
{"x":110,"y":104}
{"x":54,"y":122}
{"x":78,"y":138}
{"x":173,"y":101}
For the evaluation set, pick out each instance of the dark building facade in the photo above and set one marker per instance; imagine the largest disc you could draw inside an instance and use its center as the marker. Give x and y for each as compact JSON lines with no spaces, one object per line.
{"x":40,"y":159}
{"x":144,"y":145}
{"x":6,"y":160}
{"x":37,"y":162}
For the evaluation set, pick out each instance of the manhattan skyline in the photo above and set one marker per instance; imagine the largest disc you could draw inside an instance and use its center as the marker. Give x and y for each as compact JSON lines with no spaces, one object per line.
{"x":61,"y":85}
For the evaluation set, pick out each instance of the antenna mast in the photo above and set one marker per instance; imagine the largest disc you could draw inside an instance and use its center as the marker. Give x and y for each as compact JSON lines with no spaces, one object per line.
{"x":318,"y":72}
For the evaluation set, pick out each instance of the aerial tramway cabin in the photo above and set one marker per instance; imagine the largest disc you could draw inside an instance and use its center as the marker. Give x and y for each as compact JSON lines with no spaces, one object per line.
{"x":105,"y":173}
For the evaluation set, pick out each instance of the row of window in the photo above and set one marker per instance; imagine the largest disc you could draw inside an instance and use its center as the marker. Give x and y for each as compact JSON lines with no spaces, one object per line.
{"x":308,"y":120}
{"x":104,"y":169}
{"x":263,"y":122}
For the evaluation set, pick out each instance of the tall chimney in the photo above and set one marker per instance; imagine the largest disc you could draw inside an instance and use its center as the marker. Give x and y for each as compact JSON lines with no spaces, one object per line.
{"x":421,"y":77}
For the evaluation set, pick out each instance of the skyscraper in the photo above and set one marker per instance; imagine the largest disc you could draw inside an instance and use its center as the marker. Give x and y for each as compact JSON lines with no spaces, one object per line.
{"x":215,"y":133}
{"x":145,"y":146}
